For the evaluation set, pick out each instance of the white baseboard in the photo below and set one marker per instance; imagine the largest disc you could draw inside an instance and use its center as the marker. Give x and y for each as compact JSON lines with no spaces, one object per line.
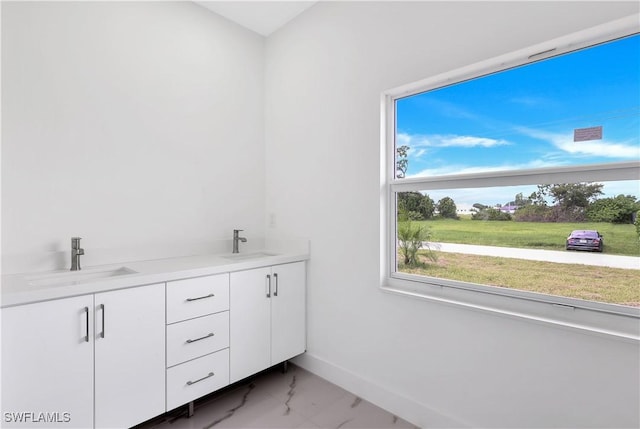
{"x":397,"y":404}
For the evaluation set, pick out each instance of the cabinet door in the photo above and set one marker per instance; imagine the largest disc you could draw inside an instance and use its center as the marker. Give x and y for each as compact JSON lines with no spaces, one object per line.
{"x":288,"y":309}
{"x":47,"y":364}
{"x":250,"y":323}
{"x":129,"y":356}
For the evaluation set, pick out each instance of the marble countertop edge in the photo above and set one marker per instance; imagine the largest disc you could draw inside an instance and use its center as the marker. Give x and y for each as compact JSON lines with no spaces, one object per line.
{"x":17,"y":290}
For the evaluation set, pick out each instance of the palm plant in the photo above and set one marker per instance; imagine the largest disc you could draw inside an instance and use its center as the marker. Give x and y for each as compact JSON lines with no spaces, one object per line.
{"x":411,"y":238}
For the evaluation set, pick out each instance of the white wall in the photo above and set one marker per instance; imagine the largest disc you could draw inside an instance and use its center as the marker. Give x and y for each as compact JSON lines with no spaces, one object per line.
{"x":434,"y":364}
{"x":138,"y":123}
{"x":130,"y":124}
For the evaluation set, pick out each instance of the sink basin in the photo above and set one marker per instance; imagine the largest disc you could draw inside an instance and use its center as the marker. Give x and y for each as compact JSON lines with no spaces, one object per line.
{"x":247,"y":256}
{"x":68,"y":278}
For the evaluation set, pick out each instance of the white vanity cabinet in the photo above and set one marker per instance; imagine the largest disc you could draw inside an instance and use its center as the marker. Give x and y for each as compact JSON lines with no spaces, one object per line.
{"x":114,"y":355}
{"x":47,"y":364}
{"x":197,"y":338}
{"x":57,"y":354}
{"x":129,"y":356}
{"x":267,"y":317}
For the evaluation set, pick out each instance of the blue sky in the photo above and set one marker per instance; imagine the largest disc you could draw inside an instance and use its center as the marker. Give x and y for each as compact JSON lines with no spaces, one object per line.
{"x":525,"y":117}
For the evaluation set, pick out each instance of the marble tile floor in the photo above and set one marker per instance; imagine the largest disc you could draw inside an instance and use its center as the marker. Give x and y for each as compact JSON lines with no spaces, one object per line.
{"x":273,"y":399}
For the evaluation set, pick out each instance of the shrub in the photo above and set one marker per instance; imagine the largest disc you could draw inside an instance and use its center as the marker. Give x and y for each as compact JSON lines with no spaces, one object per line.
{"x":411,"y":215}
{"x":490,"y":213}
{"x":540,"y":213}
{"x":411,"y":238}
{"x":620,"y":209}
{"x":533,"y":213}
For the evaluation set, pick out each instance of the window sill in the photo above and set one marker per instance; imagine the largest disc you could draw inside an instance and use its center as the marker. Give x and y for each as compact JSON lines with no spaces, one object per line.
{"x":624,"y":325}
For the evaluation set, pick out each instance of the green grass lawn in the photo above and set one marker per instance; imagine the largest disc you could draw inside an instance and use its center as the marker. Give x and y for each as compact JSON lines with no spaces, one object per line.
{"x":618,"y":239}
{"x":592,"y":283}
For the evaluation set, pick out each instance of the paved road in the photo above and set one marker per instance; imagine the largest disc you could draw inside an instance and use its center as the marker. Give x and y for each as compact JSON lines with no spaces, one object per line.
{"x":567,"y":256}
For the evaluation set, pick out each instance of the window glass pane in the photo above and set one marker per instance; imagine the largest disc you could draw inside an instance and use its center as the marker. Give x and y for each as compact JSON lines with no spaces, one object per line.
{"x":518,"y":237}
{"x":575,"y":109}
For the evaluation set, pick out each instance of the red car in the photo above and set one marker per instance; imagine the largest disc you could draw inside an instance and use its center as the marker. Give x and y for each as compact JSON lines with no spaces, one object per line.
{"x":585,"y":240}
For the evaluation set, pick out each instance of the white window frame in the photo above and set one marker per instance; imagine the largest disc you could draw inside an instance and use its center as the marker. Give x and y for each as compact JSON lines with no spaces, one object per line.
{"x":589,"y":316}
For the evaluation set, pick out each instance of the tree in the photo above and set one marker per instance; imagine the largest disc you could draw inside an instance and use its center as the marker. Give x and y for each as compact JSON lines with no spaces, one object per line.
{"x":447,"y":208}
{"x":570,"y":202}
{"x":415,"y":205}
{"x":427,"y":207}
{"x":521,"y":201}
{"x":620,"y":209}
{"x":402,"y":161}
{"x":575,"y":196}
{"x":539,"y":197}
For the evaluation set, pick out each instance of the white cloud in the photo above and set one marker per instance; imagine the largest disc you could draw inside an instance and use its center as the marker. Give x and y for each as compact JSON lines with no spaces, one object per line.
{"x":601,"y":148}
{"x":422,"y":144}
{"x":464,"y":169}
{"x":470,"y":141}
{"x":418,"y":153}
{"x":415,"y":141}
{"x":604,"y":148}
{"x":403,"y":139}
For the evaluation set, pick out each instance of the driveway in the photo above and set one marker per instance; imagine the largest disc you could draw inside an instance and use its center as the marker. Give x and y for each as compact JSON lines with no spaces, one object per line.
{"x":566,"y":257}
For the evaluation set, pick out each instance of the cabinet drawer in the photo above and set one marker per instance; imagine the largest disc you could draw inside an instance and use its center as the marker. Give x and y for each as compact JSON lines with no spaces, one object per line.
{"x":193,"y":379}
{"x":191,"y":298}
{"x":196,"y":337}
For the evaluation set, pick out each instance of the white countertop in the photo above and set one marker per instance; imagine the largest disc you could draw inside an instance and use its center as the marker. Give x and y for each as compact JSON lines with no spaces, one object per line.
{"x":18,"y":289}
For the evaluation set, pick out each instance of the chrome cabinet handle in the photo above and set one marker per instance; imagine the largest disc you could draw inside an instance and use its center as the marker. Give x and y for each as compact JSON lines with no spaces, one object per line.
{"x":201,"y":297}
{"x":103,"y":328}
{"x":275,"y":277}
{"x":86,"y":311}
{"x":268,"y":285}
{"x":211,"y":334}
{"x":189,"y":383}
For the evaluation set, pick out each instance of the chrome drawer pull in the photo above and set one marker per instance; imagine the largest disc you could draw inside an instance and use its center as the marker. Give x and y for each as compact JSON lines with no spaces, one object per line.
{"x":275,"y":277}
{"x":86,"y":337}
{"x":103,"y":327}
{"x":268,"y":285}
{"x":201,"y":297}
{"x":201,"y":338}
{"x":189,"y":383}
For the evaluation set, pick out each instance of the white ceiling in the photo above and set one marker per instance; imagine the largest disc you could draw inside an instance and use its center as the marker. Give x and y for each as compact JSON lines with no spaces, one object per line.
{"x":263,"y":17}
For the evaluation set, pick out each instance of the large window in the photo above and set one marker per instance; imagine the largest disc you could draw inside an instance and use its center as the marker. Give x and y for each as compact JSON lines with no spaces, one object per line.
{"x":489,"y":174}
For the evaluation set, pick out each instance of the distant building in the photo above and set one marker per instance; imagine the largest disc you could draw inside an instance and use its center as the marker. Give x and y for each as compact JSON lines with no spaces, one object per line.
{"x":464,"y":208}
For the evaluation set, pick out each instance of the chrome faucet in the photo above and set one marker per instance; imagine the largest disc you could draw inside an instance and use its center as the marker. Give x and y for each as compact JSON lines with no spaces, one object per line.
{"x":76,"y":252}
{"x":236,"y":239}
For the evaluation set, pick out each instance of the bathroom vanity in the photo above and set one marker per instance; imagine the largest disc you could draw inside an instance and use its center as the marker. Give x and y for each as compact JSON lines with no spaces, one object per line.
{"x":114,"y":346}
